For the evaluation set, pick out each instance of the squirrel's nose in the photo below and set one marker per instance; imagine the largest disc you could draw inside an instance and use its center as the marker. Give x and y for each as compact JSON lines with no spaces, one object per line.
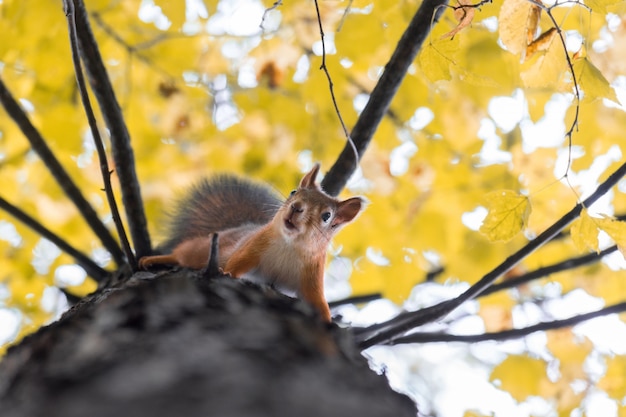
{"x":296,"y":208}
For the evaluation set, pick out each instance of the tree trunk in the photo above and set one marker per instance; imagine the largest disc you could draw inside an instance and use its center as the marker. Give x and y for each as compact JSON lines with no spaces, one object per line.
{"x":176,"y":344}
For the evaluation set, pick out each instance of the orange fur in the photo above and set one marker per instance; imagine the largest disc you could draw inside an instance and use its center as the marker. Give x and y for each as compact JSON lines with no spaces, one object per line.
{"x":289,"y":251}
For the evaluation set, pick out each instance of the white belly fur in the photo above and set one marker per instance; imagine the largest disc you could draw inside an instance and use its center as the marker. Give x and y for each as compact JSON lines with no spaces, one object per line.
{"x":281,"y":266}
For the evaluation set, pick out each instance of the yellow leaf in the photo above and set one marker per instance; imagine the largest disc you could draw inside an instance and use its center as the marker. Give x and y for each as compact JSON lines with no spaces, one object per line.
{"x":542,"y":43}
{"x":546,"y":69}
{"x":600,"y":6}
{"x":435,"y":59}
{"x":616,"y":229}
{"x":508,"y":214}
{"x":532,"y":23}
{"x":614,"y":381}
{"x":592,"y":82}
{"x":174,"y":11}
{"x":521,"y":376}
{"x":585,"y":232}
{"x":513,"y":27}
{"x":464,"y":13}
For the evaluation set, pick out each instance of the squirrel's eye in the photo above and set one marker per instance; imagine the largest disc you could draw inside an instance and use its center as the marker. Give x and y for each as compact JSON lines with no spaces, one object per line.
{"x":292,"y":193}
{"x":325,"y":216}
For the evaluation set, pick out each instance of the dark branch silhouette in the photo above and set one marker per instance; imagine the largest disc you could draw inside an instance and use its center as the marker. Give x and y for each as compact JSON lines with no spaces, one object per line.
{"x":567,"y":264}
{"x":382,"y":94}
{"x":331,"y":85}
{"x":94,"y":271}
{"x":123,"y":154}
{"x":357,"y":299}
{"x":38,"y":144}
{"x":91,"y":118}
{"x":509,"y":334}
{"x":538,"y":273}
{"x":404,"y":322}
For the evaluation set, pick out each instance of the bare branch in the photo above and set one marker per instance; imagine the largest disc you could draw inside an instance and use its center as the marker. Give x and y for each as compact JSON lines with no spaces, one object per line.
{"x":94,"y":271}
{"x":382,"y":94}
{"x":510,"y":334}
{"x":357,"y":299}
{"x":123,"y":154}
{"x":38,"y":144}
{"x":331,"y":87}
{"x":550,"y":269}
{"x":104,"y":165}
{"x":574,"y":124}
{"x":267,"y":11}
{"x":394,"y":328}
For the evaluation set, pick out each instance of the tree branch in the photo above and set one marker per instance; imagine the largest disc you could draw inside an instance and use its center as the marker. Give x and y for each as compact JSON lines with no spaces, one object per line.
{"x":331,"y":85}
{"x":404,"y":322}
{"x":509,"y":334}
{"x":357,"y":299}
{"x":102,"y":157}
{"x":384,"y":91}
{"x":94,"y":271}
{"x":61,"y":176}
{"x":120,"y":140}
{"x":550,"y":269}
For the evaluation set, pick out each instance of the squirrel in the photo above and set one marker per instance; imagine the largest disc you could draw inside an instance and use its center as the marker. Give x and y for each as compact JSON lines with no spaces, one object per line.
{"x":260,"y":237}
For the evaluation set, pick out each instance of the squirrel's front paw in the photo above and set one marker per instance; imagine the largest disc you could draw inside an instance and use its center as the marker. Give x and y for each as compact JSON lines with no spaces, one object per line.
{"x":144,"y":262}
{"x":228,"y":274}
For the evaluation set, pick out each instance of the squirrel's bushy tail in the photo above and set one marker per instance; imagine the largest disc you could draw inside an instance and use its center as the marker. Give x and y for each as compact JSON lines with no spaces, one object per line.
{"x":219,"y":203}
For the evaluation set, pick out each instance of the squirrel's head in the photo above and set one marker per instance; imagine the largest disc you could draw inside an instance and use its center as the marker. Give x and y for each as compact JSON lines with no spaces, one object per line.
{"x":311,"y":217}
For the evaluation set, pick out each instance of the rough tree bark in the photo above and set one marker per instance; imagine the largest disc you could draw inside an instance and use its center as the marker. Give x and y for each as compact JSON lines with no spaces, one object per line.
{"x":176,"y":344}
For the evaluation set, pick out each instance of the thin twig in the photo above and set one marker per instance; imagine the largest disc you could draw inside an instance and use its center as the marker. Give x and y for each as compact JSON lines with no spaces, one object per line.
{"x":267,"y":11}
{"x":574,"y":124}
{"x":61,"y":176}
{"x":134,"y":50}
{"x":93,"y":269}
{"x":510,"y":334}
{"x":410,"y":43}
{"x":331,"y":87}
{"x":122,"y":150}
{"x":104,"y":164}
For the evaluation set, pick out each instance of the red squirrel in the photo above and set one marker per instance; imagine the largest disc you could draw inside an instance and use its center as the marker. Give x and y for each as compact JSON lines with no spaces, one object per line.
{"x":260,"y":237}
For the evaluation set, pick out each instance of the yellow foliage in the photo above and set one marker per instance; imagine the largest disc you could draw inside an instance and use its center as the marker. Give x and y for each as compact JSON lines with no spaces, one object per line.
{"x":584,"y":232}
{"x":616,"y":230}
{"x":508,"y":215}
{"x":614,"y":381}
{"x":496,"y":311}
{"x":515,"y":16}
{"x":571,"y":354}
{"x":601,"y":6}
{"x":435,"y":59}
{"x":545,"y":69}
{"x":206,"y":103}
{"x":521,"y":376}
{"x":592,"y":82}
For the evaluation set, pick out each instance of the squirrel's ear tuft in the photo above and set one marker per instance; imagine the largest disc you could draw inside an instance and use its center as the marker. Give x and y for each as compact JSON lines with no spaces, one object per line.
{"x":347,"y":210}
{"x":309,"y":179}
